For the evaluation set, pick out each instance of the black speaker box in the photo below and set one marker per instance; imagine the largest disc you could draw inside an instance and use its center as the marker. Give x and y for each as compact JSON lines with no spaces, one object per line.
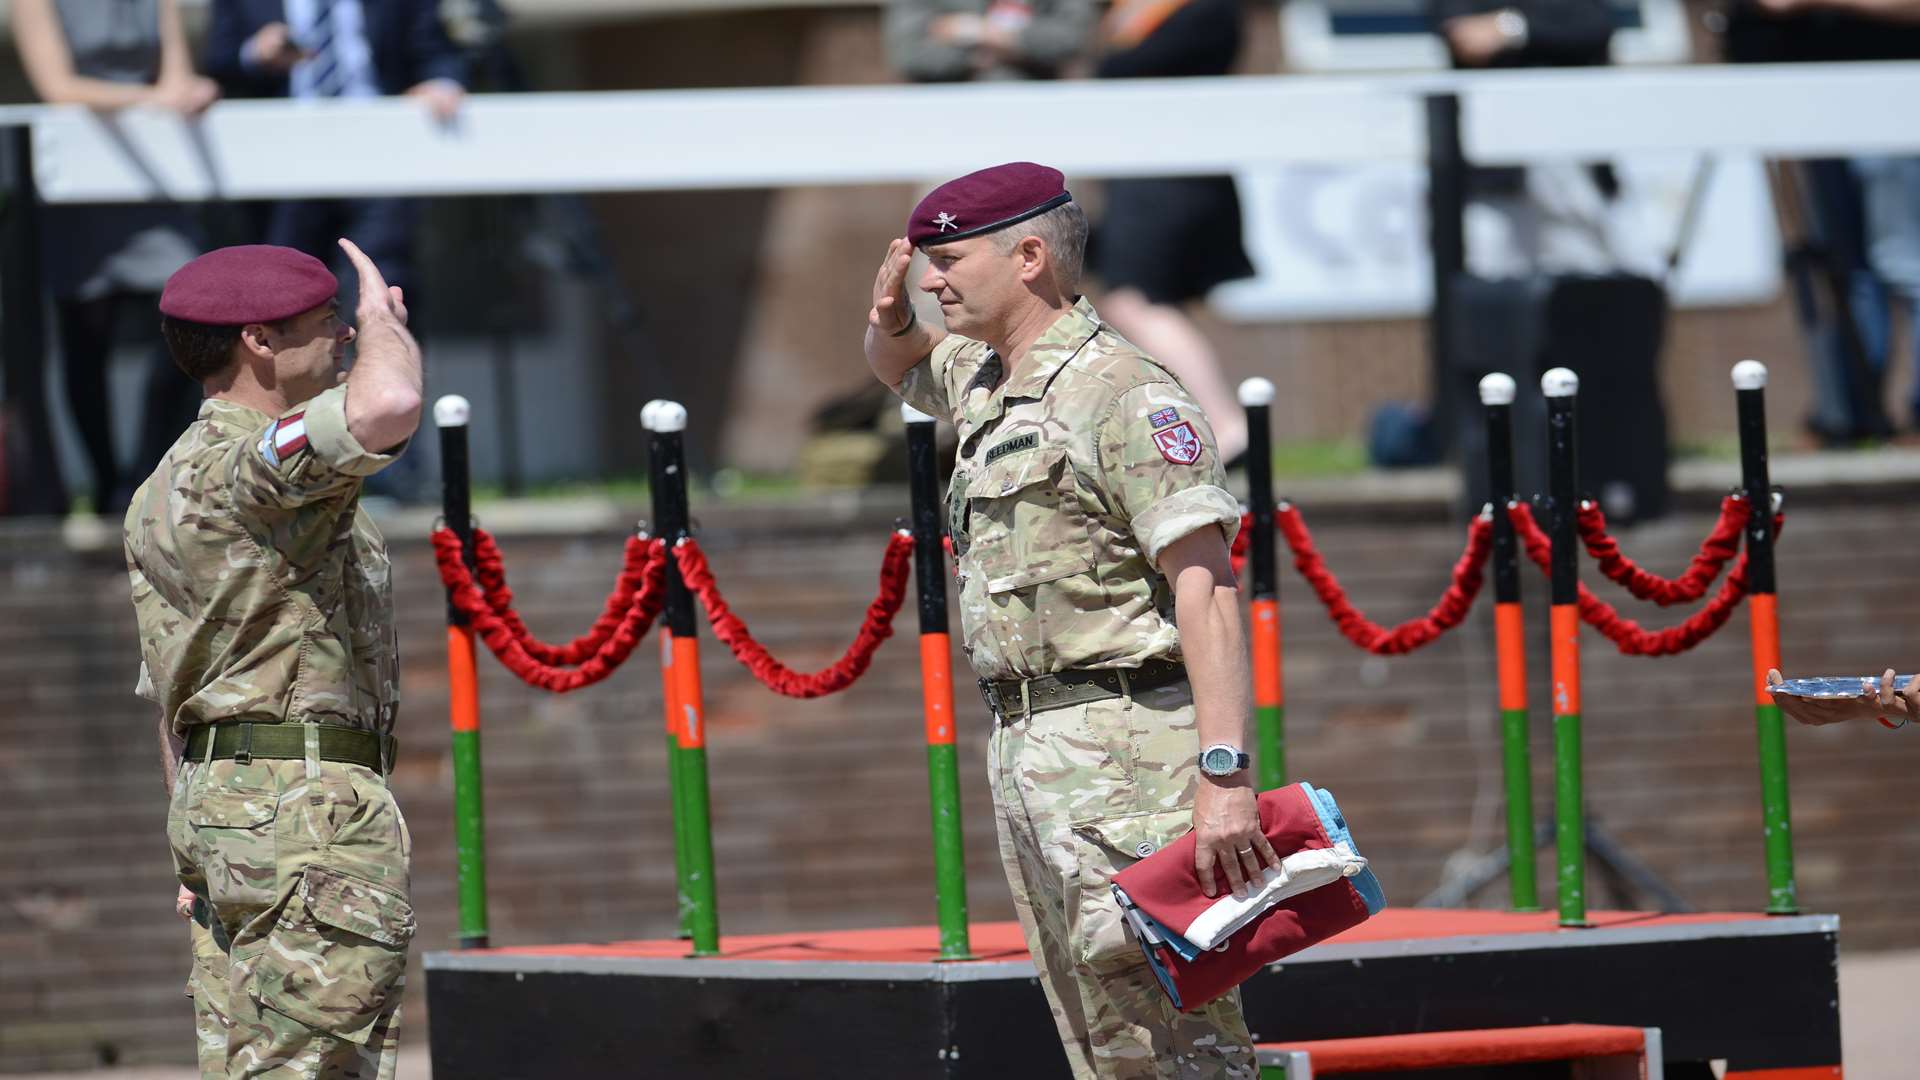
{"x":1608,"y":330}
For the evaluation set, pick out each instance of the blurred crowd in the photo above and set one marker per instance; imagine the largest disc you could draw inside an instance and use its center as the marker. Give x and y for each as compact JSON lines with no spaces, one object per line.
{"x":1164,"y":242}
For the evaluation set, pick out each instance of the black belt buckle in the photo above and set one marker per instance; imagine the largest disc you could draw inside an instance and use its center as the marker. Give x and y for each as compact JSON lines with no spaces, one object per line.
{"x":243,"y":754}
{"x":990,"y":696}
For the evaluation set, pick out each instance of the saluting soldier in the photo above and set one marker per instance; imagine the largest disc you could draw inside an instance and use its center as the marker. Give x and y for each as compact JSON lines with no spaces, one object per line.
{"x":267,"y":641}
{"x":1097,"y":600}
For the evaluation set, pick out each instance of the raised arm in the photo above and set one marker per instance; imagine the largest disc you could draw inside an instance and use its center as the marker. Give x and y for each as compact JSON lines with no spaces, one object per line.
{"x":896,"y":338}
{"x":384,"y":390}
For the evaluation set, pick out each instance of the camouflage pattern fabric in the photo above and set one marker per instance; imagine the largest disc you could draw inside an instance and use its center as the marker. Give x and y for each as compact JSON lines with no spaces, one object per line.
{"x":1080,"y":793}
{"x":260,"y":585}
{"x":1076,"y":468}
{"x":262,"y":593}
{"x":299,"y":966}
{"x":1072,"y":476}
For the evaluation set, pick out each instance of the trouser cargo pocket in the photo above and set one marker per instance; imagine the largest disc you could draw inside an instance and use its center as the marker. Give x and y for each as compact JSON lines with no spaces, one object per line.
{"x":336,"y":959}
{"x":1105,"y":847}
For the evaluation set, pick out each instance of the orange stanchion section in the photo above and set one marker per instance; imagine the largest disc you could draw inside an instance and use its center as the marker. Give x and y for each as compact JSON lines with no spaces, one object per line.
{"x":1269,"y":688}
{"x":1763,"y":615}
{"x":1566,"y":660}
{"x":691,"y":707}
{"x":936,"y":688}
{"x":463,"y":683}
{"x":1509,"y":631}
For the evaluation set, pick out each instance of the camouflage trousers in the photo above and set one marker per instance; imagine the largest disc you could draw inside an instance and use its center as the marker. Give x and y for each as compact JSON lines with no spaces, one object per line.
{"x":1080,"y":793}
{"x":301,"y":931}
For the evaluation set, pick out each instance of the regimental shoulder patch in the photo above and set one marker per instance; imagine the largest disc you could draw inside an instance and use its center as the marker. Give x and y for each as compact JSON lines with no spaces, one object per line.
{"x":1164,"y":417}
{"x":1012,"y":446}
{"x":1179,"y":444}
{"x":287,"y":436}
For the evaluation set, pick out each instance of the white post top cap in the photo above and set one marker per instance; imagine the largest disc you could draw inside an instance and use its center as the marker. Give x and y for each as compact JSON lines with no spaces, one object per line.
{"x":1497,"y":389}
{"x":1749,"y":375}
{"x":664,"y":416}
{"x":1560,"y":382}
{"x":1255,"y":392}
{"x":451,"y":410}
{"x":913,"y":416}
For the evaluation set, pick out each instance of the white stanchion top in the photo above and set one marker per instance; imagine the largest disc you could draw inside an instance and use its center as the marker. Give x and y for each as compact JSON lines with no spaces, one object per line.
{"x":1498,"y":389}
{"x":664,"y":416}
{"x":1560,"y":382}
{"x":1255,"y":392}
{"x":913,"y":416}
{"x":451,"y":410}
{"x":1749,"y":375}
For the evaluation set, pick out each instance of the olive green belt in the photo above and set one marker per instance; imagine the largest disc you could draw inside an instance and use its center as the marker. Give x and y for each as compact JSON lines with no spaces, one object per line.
{"x":244,"y":741}
{"x":1012,"y":699}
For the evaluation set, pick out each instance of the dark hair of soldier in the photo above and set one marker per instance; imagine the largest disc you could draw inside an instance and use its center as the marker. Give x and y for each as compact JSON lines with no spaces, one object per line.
{"x":1064,"y":229}
{"x":201,"y":350}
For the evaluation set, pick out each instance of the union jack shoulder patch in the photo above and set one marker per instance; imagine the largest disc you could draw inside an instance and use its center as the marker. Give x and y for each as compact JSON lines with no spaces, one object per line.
{"x":1164,"y":417}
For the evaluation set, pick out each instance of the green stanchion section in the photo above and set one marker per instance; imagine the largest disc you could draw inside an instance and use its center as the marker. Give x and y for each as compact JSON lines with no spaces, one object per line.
{"x":1523,"y":891}
{"x":677,"y":790}
{"x":1569,"y":821}
{"x":1783,"y":897}
{"x":949,"y":860}
{"x":699,"y":894}
{"x":470,"y":837}
{"x":1271,"y":722}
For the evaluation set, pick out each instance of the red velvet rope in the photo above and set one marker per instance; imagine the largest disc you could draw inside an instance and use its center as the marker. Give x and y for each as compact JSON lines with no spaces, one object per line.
{"x":492,"y":578}
{"x":1628,"y":636}
{"x":466,"y":596}
{"x":895,"y":568}
{"x":1412,"y":634}
{"x":1720,"y":545}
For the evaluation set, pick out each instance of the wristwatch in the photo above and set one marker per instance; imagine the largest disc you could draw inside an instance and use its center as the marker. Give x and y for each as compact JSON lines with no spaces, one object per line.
{"x":1223,"y":760}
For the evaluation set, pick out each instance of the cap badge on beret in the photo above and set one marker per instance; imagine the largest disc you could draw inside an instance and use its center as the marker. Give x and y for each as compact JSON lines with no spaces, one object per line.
{"x":986,"y":201}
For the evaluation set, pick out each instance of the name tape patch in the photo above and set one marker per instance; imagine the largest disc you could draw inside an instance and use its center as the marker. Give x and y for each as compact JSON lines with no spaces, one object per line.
{"x":1013,"y":446}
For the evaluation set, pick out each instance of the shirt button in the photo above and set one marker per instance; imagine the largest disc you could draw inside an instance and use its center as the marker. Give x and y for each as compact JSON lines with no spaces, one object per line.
{"x":1145,"y":849}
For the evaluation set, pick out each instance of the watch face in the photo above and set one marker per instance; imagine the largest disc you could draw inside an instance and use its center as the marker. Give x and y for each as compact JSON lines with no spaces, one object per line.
{"x":1218,"y":760}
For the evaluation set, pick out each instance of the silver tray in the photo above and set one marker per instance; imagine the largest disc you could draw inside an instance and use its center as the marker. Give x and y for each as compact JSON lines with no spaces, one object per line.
{"x":1834,"y":686}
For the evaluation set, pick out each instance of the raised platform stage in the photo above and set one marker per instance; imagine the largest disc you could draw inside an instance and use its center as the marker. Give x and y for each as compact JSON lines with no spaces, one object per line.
{"x":1760,"y":993}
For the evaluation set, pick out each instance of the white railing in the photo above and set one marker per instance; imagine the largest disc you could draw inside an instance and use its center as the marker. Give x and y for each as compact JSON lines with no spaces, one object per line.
{"x":651,"y":140}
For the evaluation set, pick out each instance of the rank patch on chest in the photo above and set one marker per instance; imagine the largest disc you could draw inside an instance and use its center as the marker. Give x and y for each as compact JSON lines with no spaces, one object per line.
{"x":1179,"y":443}
{"x":1164,"y":417}
{"x":1012,"y":446}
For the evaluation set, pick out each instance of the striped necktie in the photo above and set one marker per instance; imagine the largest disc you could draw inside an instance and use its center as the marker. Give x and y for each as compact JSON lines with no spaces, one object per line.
{"x":329,"y":75}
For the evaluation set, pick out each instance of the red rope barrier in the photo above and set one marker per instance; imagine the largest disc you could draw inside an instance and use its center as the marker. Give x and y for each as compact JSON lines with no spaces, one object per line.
{"x":648,"y":597}
{"x":1412,"y":634}
{"x":491,"y":573}
{"x":895,"y":569}
{"x":1720,"y":545}
{"x":1629,"y":636}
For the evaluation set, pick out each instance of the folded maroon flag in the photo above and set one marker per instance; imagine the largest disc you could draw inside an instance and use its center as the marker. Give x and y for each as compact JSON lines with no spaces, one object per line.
{"x":1200,"y":947}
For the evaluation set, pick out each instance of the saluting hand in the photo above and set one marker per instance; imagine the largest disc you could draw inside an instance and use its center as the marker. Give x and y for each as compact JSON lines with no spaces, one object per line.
{"x":1227,"y":835}
{"x":892,"y":312}
{"x":378,"y":300}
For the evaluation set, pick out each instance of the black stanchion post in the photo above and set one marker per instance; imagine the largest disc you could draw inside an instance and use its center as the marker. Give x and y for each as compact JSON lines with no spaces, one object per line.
{"x":1509,"y":630}
{"x":1269,"y":670}
{"x":450,"y":415}
{"x":1562,"y":388}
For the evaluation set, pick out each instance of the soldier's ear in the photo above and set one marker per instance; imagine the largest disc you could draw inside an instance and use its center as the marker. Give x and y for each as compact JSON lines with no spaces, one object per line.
{"x":255,"y":338}
{"x":1035,"y":259}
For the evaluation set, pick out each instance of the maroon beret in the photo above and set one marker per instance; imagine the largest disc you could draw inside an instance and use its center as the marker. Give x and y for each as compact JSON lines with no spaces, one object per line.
{"x":252,"y":283}
{"x":984,"y":201}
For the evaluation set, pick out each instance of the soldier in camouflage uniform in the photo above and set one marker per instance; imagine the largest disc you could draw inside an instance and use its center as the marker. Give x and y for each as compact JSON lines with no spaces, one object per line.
{"x":1091,"y":525}
{"x":267,"y":641}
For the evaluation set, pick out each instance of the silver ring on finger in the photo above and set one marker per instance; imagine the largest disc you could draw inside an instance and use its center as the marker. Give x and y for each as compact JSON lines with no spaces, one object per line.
{"x":1243,"y":851}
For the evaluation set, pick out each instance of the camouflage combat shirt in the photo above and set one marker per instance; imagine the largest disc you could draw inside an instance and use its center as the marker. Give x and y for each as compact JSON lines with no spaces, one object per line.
{"x":1073,"y":476}
{"x":260,"y":585}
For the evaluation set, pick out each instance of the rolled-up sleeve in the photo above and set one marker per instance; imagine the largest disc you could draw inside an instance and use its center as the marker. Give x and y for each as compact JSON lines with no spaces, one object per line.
{"x":305,"y":454}
{"x":1161,"y":468}
{"x":926,"y":385}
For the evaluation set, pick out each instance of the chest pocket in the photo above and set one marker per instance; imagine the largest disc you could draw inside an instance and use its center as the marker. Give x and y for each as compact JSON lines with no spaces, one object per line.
{"x":1025,"y":525}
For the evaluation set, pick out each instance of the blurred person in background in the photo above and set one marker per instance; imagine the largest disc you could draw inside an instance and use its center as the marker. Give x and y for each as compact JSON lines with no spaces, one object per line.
{"x":319,"y":50}
{"x":1167,"y":241}
{"x":1549,"y":218}
{"x":111,"y":54}
{"x":1865,"y":210}
{"x":957,"y":40}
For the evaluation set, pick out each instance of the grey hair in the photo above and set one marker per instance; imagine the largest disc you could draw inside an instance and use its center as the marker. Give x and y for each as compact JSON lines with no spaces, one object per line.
{"x":1064,"y":230}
